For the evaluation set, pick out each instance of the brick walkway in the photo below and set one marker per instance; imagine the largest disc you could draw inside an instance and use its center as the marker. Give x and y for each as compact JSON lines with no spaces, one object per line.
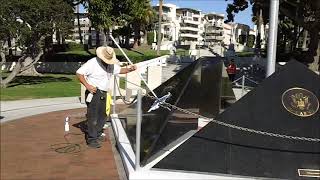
{"x":29,"y":145}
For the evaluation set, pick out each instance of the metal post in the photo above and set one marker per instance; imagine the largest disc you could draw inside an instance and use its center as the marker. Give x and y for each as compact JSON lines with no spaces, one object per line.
{"x":138,"y":130}
{"x":114,"y":94}
{"x":272,"y":39}
{"x":242,"y":85}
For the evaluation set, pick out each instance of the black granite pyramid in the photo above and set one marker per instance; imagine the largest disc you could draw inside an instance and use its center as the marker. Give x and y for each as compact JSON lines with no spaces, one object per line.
{"x":197,"y":88}
{"x":285,"y":103}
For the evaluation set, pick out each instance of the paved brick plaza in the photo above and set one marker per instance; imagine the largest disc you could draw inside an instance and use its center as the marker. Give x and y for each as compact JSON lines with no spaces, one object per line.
{"x":28,"y":150}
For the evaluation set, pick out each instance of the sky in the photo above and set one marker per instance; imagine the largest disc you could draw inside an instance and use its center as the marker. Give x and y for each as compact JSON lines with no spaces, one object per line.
{"x":206,"y":6}
{"x":217,"y":6}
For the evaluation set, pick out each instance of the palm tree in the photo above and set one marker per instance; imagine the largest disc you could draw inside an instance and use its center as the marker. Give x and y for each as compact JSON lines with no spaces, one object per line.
{"x":142,"y":14}
{"x":159,"y":30}
{"x":78,"y":21}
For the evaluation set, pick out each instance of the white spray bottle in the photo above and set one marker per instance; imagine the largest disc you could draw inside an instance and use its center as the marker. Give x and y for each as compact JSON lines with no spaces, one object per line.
{"x":66,"y":125}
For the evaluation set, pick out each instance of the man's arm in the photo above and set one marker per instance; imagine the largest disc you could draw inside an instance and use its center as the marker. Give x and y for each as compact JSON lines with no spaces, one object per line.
{"x":128,"y":69}
{"x":90,"y":88}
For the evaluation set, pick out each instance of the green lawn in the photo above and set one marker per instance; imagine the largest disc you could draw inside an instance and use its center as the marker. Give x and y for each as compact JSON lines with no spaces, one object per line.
{"x":48,"y":86}
{"x":61,"y":85}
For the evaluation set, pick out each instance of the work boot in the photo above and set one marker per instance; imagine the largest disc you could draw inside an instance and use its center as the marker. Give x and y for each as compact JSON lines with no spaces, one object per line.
{"x":94,"y":144}
{"x":101,"y":139}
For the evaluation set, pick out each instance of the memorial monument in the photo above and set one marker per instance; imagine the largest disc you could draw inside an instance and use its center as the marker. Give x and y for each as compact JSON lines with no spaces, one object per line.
{"x":271,"y":132}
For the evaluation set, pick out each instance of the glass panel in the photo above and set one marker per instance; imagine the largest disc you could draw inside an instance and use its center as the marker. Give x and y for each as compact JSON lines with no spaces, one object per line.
{"x":197,"y":88}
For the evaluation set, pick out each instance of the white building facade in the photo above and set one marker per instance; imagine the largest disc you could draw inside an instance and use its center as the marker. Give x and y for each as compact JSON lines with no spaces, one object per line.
{"x":190,"y":24}
{"x":213,"y":29}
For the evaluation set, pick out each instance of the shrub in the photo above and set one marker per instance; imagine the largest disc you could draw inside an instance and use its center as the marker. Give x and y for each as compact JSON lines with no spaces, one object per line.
{"x":250,"y":41}
{"x":242,"y":39}
{"x":150,"y":37}
{"x":72,"y":46}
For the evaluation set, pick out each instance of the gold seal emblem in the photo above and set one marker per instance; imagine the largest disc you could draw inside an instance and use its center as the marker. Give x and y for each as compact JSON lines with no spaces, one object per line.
{"x":300,"y":102}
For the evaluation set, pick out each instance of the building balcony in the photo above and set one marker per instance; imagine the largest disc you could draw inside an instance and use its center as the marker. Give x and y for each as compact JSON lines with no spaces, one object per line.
{"x":215,"y":31}
{"x":166,"y":17}
{"x":189,"y":35}
{"x":190,"y":21}
{"x":215,"y":25}
{"x":190,"y":29}
{"x":196,"y":15}
{"x":214,"y":38}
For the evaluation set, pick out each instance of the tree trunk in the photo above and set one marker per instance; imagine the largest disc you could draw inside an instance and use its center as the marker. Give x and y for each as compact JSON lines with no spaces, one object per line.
{"x":58,"y":38}
{"x":260,"y":24}
{"x":90,"y":38}
{"x":127,"y":41}
{"x":315,"y":65}
{"x":145,"y":37}
{"x":79,"y":26}
{"x":3,"y":60}
{"x":3,"y":56}
{"x":13,"y":74}
{"x":305,"y":36}
{"x":105,"y":37}
{"x":23,"y":64}
{"x":9,"y":45}
{"x":97,"y":38}
{"x":159,"y":28}
{"x":313,"y":50}
{"x":136,"y":28}
{"x":31,"y":71}
{"x":63,"y":38}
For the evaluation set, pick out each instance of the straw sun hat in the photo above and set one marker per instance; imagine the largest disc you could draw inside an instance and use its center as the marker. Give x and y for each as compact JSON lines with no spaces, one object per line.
{"x":106,"y":54}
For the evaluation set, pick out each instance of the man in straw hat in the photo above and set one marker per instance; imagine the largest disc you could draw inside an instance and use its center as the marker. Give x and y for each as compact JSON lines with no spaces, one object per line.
{"x":95,"y":75}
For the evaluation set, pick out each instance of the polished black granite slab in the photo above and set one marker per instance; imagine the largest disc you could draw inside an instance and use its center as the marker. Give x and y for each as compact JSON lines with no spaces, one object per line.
{"x":219,"y":149}
{"x":197,"y":88}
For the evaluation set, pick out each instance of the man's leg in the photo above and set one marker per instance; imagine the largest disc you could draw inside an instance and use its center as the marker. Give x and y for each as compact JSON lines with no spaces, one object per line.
{"x":92,"y":114}
{"x":101,"y":119}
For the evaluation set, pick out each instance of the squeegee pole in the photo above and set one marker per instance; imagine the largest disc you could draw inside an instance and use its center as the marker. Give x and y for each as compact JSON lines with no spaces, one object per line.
{"x":154,"y":94}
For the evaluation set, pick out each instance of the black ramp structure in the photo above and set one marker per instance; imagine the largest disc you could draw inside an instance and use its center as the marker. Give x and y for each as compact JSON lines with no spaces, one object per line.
{"x":285,"y":103}
{"x":196,"y":88}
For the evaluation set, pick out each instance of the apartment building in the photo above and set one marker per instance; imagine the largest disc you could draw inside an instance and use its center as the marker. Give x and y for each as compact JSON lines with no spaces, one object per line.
{"x":84,"y":27}
{"x":227,"y":34}
{"x":213,"y":29}
{"x":85,"y":30}
{"x":190,"y":24}
{"x":170,"y":23}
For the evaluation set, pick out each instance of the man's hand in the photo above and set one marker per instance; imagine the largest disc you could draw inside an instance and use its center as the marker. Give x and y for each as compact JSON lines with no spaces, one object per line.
{"x":92,"y":89}
{"x":128,"y":69}
{"x":132,"y":68}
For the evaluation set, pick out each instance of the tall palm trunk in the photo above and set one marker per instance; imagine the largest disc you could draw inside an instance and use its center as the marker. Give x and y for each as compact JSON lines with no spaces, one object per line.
{"x":260,"y":24}
{"x":90,"y":37}
{"x":79,"y":26}
{"x":145,"y":37}
{"x":159,"y":28}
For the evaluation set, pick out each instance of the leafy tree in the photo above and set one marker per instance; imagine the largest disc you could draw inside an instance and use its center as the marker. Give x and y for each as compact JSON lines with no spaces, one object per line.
{"x":75,"y":4}
{"x":140,"y":16}
{"x":105,"y":14}
{"x":29,"y":22}
{"x":303,"y":14}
